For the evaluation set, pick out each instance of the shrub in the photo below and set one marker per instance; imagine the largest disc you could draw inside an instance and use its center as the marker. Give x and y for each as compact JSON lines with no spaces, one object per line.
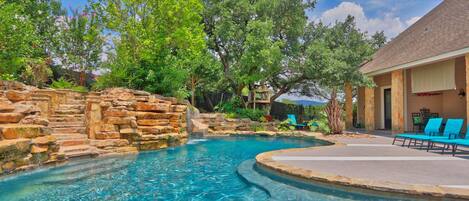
{"x":257,"y":127}
{"x":285,"y":126}
{"x":253,"y":114}
{"x":8,"y":77}
{"x":231,"y":105}
{"x":62,"y":83}
{"x":319,"y":124}
{"x":231,"y":115}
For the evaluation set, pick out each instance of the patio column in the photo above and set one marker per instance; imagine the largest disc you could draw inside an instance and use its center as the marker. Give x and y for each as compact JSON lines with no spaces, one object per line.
{"x":467,"y":86}
{"x":348,"y":106}
{"x":369,"y":108}
{"x":397,"y":100}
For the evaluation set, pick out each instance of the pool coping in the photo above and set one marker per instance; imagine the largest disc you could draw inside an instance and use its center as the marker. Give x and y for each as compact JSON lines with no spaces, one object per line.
{"x":265,"y":160}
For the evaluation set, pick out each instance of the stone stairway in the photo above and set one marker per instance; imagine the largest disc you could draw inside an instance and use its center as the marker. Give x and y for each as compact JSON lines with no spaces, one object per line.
{"x":68,"y":126}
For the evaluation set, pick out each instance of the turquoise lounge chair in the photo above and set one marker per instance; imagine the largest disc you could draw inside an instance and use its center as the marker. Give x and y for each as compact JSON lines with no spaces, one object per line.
{"x":454,"y":142}
{"x":452,"y":127}
{"x":431,"y":129}
{"x":293,"y":122}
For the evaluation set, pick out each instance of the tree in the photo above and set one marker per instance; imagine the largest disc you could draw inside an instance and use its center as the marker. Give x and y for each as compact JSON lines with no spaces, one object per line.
{"x":255,"y":43}
{"x":18,"y":39}
{"x":204,"y":74}
{"x":154,"y":41}
{"x":378,"y":40}
{"x":27,"y":31}
{"x":334,"y":54}
{"x":81,"y":42}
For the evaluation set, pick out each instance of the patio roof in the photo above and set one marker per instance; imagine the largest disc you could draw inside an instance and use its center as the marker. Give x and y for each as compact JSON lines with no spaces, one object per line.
{"x":439,"y":35}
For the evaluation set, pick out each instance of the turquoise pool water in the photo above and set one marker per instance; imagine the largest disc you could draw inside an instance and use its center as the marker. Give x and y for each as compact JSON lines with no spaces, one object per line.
{"x":204,"y":169}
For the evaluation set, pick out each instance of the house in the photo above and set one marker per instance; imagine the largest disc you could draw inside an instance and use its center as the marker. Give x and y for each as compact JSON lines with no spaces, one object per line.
{"x":424,"y":69}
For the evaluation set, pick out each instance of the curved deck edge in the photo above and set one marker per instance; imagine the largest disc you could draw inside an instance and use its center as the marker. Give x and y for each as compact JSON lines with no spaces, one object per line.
{"x":265,"y":160}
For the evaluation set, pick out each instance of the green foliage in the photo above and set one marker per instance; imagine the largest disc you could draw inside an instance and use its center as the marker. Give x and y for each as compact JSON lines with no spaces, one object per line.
{"x":62,"y":83}
{"x":253,"y":39}
{"x":81,"y":42}
{"x":334,"y":53}
{"x":27,"y":31}
{"x":231,"y":115}
{"x":17,"y":38}
{"x":7,"y":77}
{"x":285,"y":126}
{"x":155,"y":45}
{"x":229,"y":106}
{"x":36,"y":72}
{"x":234,"y":108}
{"x":319,"y":126}
{"x":253,"y":114}
{"x":257,"y":127}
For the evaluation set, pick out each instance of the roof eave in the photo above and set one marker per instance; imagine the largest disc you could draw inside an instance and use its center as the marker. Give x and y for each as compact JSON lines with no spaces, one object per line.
{"x":425,"y":61}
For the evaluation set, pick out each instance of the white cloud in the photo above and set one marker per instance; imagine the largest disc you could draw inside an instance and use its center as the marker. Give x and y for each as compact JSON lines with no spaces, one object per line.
{"x":389,"y":23}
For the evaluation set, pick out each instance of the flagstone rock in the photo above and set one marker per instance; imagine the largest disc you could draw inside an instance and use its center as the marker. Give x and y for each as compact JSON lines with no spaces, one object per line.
{"x":4,"y":107}
{"x":10,"y":117}
{"x":15,"y":131}
{"x":38,"y":149}
{"x":44,"y":140}
{"x":155,"y":107}
{"x":107,"y":135}
{"x":16,"y":96}
{"x":153,"y":122}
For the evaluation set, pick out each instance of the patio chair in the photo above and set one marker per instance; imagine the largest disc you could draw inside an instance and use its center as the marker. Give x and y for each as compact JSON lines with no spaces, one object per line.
{"x":417,"y":121}
{"x":454,"y":142}
{"x":453,"y":127}
{"x":432,"y":128}
{"x":293,"y":122}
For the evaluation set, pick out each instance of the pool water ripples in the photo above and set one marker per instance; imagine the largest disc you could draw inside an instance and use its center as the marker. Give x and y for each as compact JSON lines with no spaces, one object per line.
{"x":204,"y":169}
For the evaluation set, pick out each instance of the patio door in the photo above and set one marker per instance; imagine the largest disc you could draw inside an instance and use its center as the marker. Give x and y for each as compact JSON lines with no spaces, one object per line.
{"x":387,"y":109}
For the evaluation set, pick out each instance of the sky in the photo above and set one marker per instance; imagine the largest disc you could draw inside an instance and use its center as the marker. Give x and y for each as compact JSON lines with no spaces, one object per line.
{"x":390,"y":16}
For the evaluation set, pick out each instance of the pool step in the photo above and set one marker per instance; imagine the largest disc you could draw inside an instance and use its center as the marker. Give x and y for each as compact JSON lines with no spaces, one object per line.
{"x":65,"y":130}
{"x":84,"y":171}
{"x":56,"y":124}
{"x":74,"y":151}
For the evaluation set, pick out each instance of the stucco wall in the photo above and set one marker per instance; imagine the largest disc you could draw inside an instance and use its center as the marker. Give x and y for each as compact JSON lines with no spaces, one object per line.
{"x":448,"y":104}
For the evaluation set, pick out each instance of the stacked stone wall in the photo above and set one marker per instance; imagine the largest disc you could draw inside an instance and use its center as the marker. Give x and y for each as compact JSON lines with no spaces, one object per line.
{"x":117,"y":120}
{"x":218,"y":123}
{"x":25,"y":139}
{"x":147,"y":121}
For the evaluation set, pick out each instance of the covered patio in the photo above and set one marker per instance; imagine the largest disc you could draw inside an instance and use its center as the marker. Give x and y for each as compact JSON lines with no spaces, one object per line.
{"x":422,"y":73}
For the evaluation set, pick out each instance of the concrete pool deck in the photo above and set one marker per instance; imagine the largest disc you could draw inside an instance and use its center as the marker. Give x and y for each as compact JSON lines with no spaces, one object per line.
{"x":371,"y":162}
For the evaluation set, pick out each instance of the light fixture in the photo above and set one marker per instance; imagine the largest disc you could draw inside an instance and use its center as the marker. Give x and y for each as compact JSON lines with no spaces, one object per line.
{"x":461,"y":93}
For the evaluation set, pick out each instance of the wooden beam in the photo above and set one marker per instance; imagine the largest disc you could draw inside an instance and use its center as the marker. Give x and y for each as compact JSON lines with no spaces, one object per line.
{"x":348,"y":106}
{"x":397,"y":101}
{"x":369,"y":108}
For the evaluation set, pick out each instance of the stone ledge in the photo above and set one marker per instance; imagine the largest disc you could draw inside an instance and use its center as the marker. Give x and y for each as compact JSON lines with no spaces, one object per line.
{"x":265,"y":160}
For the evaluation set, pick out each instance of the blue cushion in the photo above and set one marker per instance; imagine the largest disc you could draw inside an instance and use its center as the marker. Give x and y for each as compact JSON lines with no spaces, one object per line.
{"x":463,"y":142}
{"x":453,"y":127}
{"x":428,"y":137}
{"x":407,"y":135}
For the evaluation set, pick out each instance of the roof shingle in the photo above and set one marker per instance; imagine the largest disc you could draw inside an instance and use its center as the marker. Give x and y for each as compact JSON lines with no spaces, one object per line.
{"x":444,"y":29}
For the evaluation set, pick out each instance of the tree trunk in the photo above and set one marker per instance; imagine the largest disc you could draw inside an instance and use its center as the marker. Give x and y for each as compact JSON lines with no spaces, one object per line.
{"x":82,"y":78}
{"x":193,"y":91}
{"x":334,"y":114}
{"x":210,"y":104}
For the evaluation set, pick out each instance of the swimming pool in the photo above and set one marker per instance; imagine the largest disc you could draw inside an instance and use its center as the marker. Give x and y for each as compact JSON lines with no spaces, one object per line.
{"x":204,"y":169}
